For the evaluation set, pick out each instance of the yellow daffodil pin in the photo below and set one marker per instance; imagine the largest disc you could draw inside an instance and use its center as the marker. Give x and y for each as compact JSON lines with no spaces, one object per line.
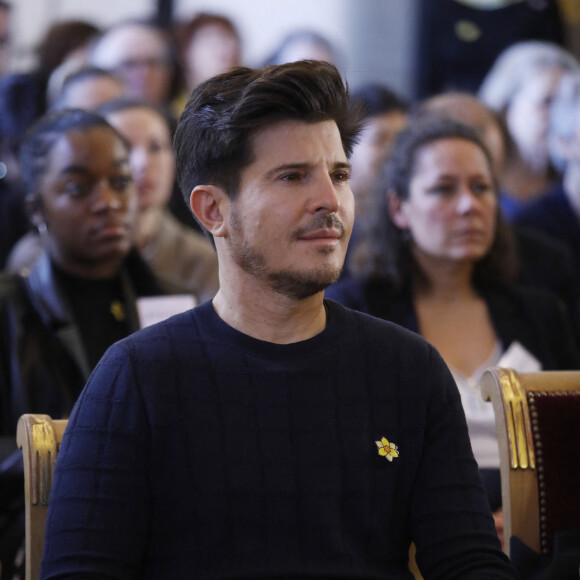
{"x":387,"y":449}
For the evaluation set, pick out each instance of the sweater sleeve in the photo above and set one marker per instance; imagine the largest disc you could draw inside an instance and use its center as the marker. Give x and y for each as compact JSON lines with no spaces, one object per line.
{"x":99,"y":512}
{"x":451,"y":522}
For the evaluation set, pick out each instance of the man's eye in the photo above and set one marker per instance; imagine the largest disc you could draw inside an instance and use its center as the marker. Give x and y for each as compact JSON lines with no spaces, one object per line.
{"x":121,"y":183}
{"x":341,"y":176}
{"x":290,"y":177}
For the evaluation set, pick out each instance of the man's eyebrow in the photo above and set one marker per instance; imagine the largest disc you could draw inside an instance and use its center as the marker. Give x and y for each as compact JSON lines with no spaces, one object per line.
{"x":343,"y":165}
{"x":288,"y":167}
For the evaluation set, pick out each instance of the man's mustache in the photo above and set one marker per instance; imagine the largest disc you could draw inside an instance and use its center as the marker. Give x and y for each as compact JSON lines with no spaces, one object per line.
{"x":328,"y":221}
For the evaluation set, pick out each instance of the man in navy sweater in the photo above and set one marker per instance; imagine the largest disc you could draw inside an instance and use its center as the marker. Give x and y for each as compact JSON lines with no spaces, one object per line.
{"x":270,"y":433}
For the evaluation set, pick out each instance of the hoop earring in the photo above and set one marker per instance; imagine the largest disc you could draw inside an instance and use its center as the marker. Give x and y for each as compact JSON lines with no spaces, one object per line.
{"x":41,"y":228}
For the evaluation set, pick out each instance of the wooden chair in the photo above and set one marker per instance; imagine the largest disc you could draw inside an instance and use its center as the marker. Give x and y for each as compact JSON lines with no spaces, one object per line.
{"x":39,"y":437}
{"x":537,"y":419}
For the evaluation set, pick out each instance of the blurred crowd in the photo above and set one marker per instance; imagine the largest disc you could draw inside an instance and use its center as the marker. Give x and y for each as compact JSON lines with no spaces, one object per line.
{"x":467,"y":202}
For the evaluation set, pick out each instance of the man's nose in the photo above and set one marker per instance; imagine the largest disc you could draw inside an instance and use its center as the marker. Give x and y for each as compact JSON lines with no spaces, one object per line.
{"x":325,"y":197}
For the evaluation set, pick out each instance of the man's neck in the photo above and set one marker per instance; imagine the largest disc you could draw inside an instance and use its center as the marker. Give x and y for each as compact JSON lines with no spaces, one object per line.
{"x":267,"y":315}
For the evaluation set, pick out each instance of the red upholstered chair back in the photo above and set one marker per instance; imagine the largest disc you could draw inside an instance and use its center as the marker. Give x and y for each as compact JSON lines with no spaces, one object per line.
{"x":556,"y":431}
{"x":538,"y":426}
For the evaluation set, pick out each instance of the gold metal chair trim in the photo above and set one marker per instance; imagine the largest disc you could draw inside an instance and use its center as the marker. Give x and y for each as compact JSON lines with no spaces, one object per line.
{"x":519,"y":429}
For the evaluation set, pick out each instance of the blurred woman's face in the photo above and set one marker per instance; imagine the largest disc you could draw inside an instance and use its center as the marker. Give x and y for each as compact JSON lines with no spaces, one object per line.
{"x":151,"y":157}
{"x":213,"y":50}
{"x":451,"y":208}
{"x":528,"y":114}
{"x":87,"y":200}
{"x":371,"y":151}
{"x":138,"y":55}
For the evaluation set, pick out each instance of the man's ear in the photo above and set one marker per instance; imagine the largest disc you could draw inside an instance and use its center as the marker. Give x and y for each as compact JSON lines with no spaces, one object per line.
{"x":397,"y":210}
{"x":210,"y":204}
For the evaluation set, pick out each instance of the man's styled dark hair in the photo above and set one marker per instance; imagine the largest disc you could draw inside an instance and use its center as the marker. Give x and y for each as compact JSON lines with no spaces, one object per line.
{"x":213,"y":138}
{"x":386,"y":250}
{"x":41,"y":137}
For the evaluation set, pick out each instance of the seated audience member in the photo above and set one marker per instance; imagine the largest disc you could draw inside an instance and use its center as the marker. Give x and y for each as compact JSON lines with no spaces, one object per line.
{"x":557,"y":213}
{"x":303,"y":45}
{"x":439,"y":262}
{"x":142,"y":55}
{"x":459,"y":40}
{"x":4,"y":36}
{"x":88,"y":88}
{"x":21,"y":103}
{"x":384,"y":114}
{"x":23,"y":96}
{"x":64,"y":49}
{"x":13,"y":220}
{"x":182,"y":259}
{"x":318,"y":442}
{"x":80,"y":295}
{"x":542,"y":262}
{"x":66,"y":40}
{"x":18,"y":109}
{"x":519,"y":87}
{"x":208,"y":44}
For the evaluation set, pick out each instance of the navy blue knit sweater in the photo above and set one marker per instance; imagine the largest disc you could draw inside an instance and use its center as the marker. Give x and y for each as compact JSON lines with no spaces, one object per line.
{"x":196,"y":451}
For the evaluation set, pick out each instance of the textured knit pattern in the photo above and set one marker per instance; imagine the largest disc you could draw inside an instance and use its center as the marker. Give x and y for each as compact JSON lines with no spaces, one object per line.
{"x":198,"y":452}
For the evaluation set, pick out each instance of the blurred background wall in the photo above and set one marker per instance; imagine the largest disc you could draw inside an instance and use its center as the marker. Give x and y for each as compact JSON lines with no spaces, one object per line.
{"x":373,"y":37}
{"x":377,"y":39}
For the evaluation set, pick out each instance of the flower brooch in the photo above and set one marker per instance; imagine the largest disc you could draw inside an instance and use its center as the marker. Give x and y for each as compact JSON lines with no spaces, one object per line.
{"x":387,"y":449}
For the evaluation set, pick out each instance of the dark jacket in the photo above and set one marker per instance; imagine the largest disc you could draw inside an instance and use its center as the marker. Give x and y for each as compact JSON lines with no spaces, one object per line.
{"x":43,"y":365}
{"x":536,"y":319}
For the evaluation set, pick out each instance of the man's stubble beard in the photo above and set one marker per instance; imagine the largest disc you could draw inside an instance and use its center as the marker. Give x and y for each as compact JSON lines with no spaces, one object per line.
{"x":297,"y":285}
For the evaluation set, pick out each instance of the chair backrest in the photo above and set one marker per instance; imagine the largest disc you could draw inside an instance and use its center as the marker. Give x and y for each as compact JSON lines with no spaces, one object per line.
{"x":39,"y":437}
{"x":537,"y":418}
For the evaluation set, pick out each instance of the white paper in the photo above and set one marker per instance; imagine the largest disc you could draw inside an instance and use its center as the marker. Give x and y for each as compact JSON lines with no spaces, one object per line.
{"x":153,"y":309}
{"x":520,"y":359}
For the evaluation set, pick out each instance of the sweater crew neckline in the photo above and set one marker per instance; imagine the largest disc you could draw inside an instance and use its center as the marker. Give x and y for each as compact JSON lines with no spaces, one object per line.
{"x":212,"y":325}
